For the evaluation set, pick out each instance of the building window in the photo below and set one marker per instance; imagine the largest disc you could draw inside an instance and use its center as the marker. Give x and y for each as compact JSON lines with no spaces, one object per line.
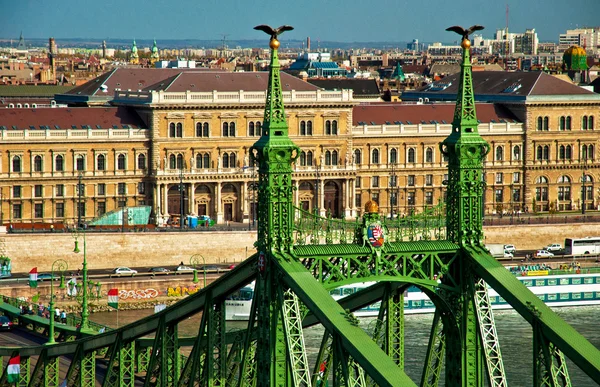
{"x":180,"y":162}
{"x":176,"y":129}
{"x":38,"y":210}
{"x":16,"y":191}
{"x":59,"y":209}
{"x":254,"y":128}
{"x":142,"y":188}
{"x":393,"y":156}
{"x":16,"y":164}
{"x":121,"y":164}
{"x":101,"y":162}
{"x":499,"y":196}
{"x":411,"y":155}
{"x":357,"y":201}
{"x":331,"y":128}
{"x":428,"y":197}
{"x":393,"y":181}
{"x":172,"y":131}
{"x":16,"y":213}
{"x":60,"y":190}
{"x":101,"y":189}
{"x":543,"y":152}
{"x":516,"y":195}
{"x":541,"y":194}
{"x":428,"y":179}
{"x":516,"y":177}
{"x":429,"y":155}
{"x":59,"y":163}
{"x":539,"y":123}
{"x":517,"y":152}
{"x":564,"y":193}
{"x":375,"y":156}
{"x":37,"y":163}
{"x":499,"y":178}
{"x":546,"y":123}
{"x":122,"y":189}
{"x":141,"y":161}
{"x":306,"y":128}
{"x":101,"y":208}
{"x":410,"y":180}
{"x":375,"y":197}
{"x":172,"y":162}
{"x":542,"y":123}
{"x":228,"y":160}
{"x":410,"y":198}
{"x":306,"y":158}
{"x":357,"y":156}
{"x":202,"y":129}
{"x":499,"y":153}
{"x":334,"y":158}
{"x":375,"y":181}
{"x":357,"y":182}
{"x":564,"y":123}
{"x":80,"y":163}
{"x":229,"y":129}
{"x":38,"y":190}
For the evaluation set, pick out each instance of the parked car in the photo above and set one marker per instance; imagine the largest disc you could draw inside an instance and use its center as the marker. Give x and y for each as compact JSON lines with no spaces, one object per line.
{"x":553,"y":247}
{"x":209,"y":268}
{"x":510,"y":249}
{"x":5,"y":323}
{"x":124,"y":271}
{"x":543,"y":254}
{"x":184,"y":269}
{"x":508,"y":255}
{"x":46,"y":276}
{"x":158,"y":270}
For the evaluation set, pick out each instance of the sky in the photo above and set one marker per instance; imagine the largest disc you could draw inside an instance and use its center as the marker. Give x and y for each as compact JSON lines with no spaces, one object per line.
{"x":322,"y":20}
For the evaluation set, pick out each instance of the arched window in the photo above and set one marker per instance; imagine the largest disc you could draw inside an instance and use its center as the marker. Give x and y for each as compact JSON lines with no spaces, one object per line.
{"x":591,"y":122}
{"x":258,"y":128}
{"x":172,"y":162}
{"x":232,"y":160}
{"x":584,"y":123}
{"x":564,"y":179}
{"x":568,"y":123}
{"x":141,"y":161}
{"x":546,"y":152}
{"x":232,"y":129}
{"x":80,"y":163}
{"x":334,"y":127}
{"x":539,"y":153}
{"x":205,"y":129}
{"x":225,"y":129}
{"x":179,"y":161}
{"x":546,"y":123}
{"x":517,"y":152}
{"x":172,"y":129}
{"x":37,"y":163}
{"x":334,"y":158}
{"x":101,"y":162}
{"x":59,"y":163}
{"x":375,"y":156}
{"x":16,"y":164}
{"x":251,"y":129}
{"x":568,"y":152}
{"x":499,"y":153}
{"x":309,"y":158}
{"x":303,"y":128}
{"x":328,"y":158}
{"x":121,"y":162}
{"x":328,"y":127}
{"x":429,"y":155}
{"x":206,"y":160}
{"x":561,"y":152}
{"x":309,"y":128}
{"x":179,"y":129}
{"x":302,"y":158}
{"x":393,"y":156}
{"x":541,"y":180}
{"x":590,"y":152}
{"x":561,"y":123}
{"x":411,"y":155}
{"x":199,"y":160}
{"x":357,"y":156}
{"x":539,"y":123}
{"x":199,"y":132}
{"x":225,"y":160}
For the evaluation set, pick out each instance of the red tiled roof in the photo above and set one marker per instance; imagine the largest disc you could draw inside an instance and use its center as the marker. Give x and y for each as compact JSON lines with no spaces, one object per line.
{"x":64,"y":118}
{"x":379,"y":114}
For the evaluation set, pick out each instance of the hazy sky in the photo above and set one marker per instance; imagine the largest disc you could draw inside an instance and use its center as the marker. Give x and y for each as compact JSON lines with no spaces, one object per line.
{"x":326,"y":20}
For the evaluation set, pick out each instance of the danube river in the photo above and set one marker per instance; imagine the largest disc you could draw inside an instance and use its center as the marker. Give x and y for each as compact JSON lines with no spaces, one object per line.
{"x":514,"y":332}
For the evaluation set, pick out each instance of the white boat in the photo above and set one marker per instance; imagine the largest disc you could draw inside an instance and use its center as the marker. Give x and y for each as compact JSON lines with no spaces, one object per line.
{"x":555,"y":290}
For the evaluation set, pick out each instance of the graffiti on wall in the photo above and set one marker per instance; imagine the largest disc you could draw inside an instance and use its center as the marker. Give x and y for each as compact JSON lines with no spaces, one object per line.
{"x":138,"y":294}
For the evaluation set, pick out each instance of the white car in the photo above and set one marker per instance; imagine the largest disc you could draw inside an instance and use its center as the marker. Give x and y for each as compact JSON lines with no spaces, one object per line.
{"x":508,"y":255}
{"x":543,"y":254}
{"x":554,"y":247}
{"x":184,"y":269}
{"x":124,"y":271}
{"x":510,"y":249}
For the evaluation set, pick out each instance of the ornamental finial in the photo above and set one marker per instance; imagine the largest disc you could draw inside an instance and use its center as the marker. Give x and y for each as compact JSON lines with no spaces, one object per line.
{"x":274,"y":32}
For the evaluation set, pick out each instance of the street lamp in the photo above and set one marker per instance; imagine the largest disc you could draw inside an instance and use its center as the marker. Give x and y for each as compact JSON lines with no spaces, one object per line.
{"x":393,"y":184}
{"x":85,"y":313}
{"x":194,"y":261}
{"x":252,"y":187}
{"x":79,"y":193}
{"x":61,"y":266}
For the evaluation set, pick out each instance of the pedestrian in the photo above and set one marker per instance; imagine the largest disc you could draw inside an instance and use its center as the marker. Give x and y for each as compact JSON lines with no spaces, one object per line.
{"x":63,"y":316}
{"x":56,"y":314}
{"x":41,"y":309}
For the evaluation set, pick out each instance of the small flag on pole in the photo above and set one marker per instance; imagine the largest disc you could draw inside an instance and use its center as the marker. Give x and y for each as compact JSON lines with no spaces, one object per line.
{"x":33,"y":278}
{"x":113,"y":298}
{"x":14,"y":369}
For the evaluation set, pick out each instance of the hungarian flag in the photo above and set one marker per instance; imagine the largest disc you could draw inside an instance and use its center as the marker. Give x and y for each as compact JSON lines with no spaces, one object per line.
{"x":14,"y":369}
{"x":33,"y":278}
{"x":113,"y":298}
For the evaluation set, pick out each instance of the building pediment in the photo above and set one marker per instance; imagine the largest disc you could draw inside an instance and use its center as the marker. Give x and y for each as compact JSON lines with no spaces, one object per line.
{"x":175,"y":116}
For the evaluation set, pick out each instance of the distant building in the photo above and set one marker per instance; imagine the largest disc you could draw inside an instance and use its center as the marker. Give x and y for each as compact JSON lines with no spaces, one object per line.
{"x":587,"y":38}
{"x":134,"y":58}
{"x":316,"y":64}
{"x":154,"y":57}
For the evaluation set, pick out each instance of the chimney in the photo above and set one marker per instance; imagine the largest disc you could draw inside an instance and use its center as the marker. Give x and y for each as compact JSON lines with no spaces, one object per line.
{"x":308,"y":44}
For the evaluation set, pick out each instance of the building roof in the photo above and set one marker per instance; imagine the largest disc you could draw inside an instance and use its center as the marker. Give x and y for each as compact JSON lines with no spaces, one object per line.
{"x":32,"y":90}
{"x":226,"y":81}
{"x":360,"y":87}
{"x":498,"y":86}
{"x":65,"y":118}
{"x":395,"y":113}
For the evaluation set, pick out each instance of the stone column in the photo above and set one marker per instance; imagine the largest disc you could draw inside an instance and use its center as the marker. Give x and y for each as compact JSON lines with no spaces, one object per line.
{"x":166,"y":200}
{"x":244,"y":201}
{"x":218,"y":211}
{"x":296,"y":193}
{"x":156,"y":203}
{"x":322,"y":197}
{"x":191,"y":205}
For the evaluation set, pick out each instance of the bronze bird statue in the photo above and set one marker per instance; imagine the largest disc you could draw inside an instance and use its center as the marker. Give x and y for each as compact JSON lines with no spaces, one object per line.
{"x":465,"y":33}
{"x":273,"y":32}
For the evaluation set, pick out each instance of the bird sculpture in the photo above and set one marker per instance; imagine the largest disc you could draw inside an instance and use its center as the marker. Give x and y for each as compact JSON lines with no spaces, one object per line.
{"x":465,"y":33}
{"x":274,"y":32}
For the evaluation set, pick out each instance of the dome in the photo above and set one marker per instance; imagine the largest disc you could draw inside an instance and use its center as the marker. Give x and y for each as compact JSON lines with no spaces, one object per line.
{"x":371,"y":207}
{"x":134,"y":48}
{"x":575,"y":59}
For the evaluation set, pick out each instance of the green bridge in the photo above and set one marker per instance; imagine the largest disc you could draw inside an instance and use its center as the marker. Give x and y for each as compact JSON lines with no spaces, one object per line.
{"x":300,"y":258}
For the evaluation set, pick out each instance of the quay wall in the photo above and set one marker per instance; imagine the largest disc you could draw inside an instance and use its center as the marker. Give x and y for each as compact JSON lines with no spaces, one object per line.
{"x":110,"y":250}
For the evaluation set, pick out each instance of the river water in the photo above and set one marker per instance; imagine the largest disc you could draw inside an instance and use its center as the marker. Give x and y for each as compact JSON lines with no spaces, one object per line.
{"x":514,"y":332}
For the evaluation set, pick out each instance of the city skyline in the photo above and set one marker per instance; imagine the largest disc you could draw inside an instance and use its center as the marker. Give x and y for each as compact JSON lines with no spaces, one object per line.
{"x":234,"y":20}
